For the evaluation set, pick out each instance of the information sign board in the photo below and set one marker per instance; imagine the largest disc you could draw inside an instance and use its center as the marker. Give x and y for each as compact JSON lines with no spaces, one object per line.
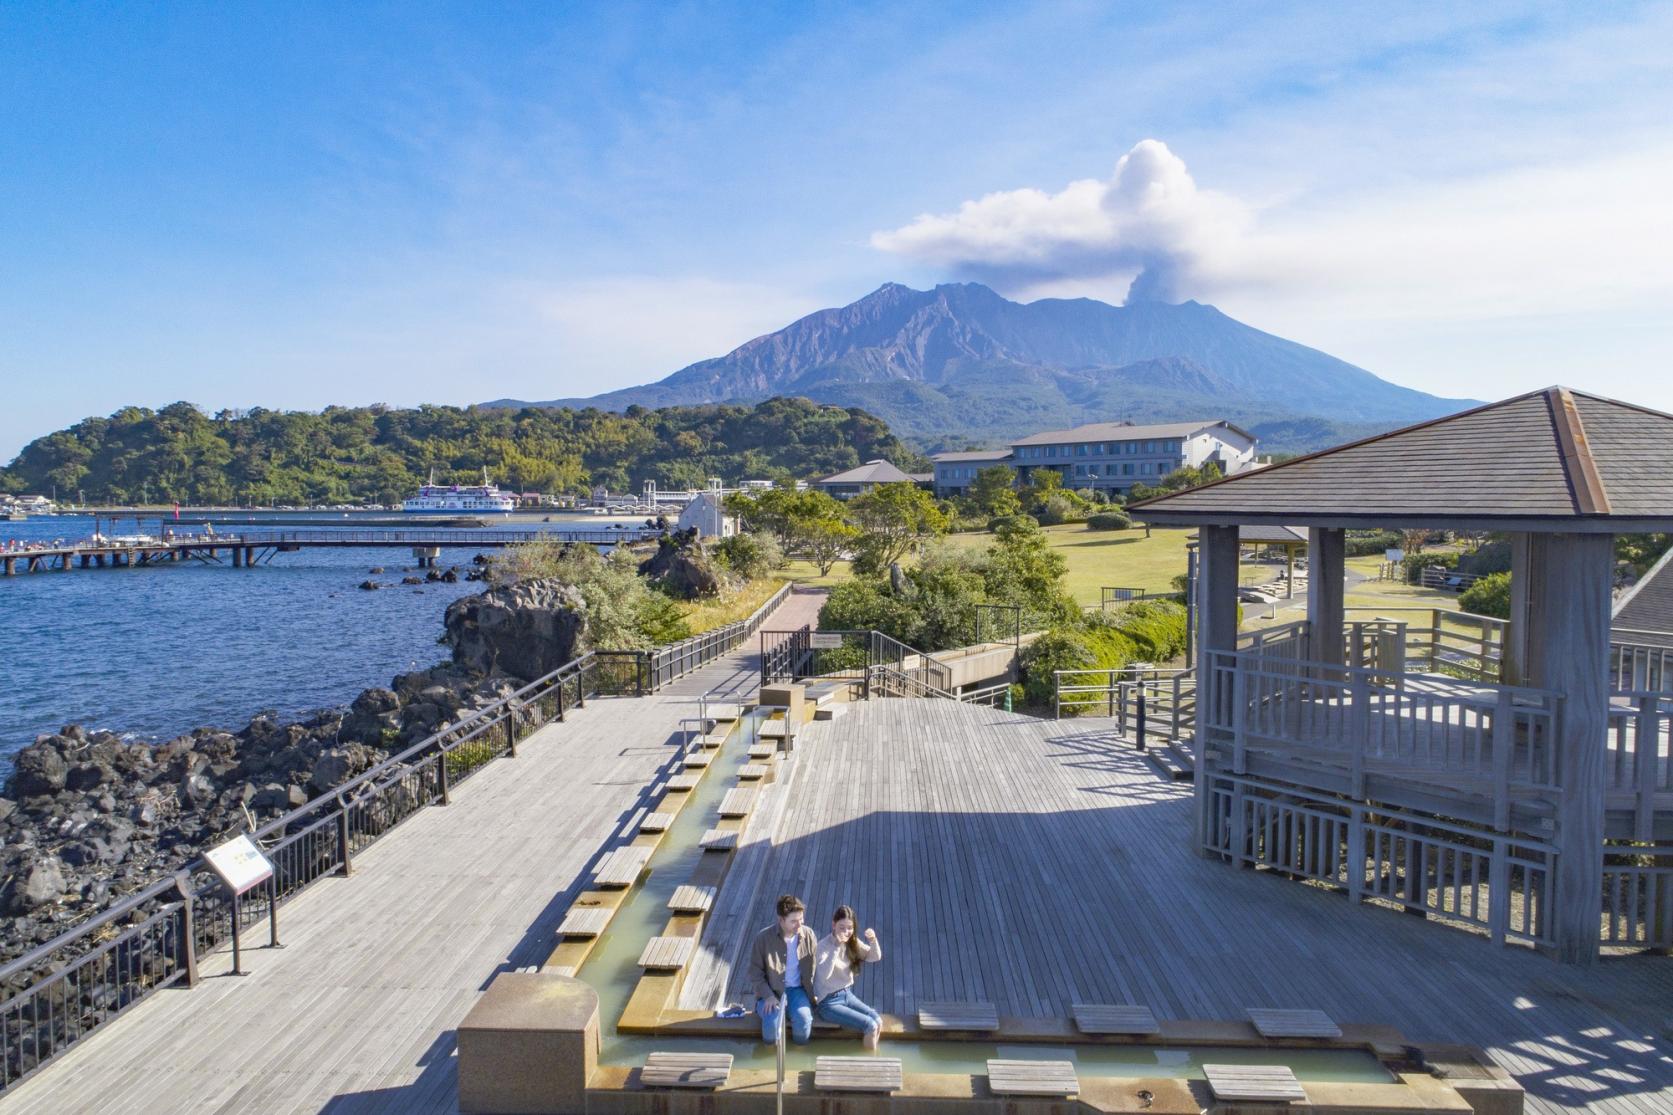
{"x":820,"y":641}
{"x":240,"y":864}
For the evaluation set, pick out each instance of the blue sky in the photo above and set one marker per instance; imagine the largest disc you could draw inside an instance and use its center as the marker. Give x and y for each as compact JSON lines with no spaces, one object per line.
{"x":295,"y":205}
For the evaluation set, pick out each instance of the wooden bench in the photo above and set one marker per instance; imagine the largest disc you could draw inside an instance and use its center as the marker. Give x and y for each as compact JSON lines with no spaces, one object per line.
{"x":737,"y":802}
{"x":621,"y":868}
{"x":682,"y":783}
{"x":666,"y":953}
{"x":762,"y":751}
{"x":1253,"y":1083}
{"x":655,"y":822}
{"x":1033,"y":1078}
{"x":858,"y":1074}
{"x":719,"y":840}
{"x":690,"y":899}
{"x":1112,"y":1018}
{"x":749,"y":772}
{"x":561,"y":970}
{"x":585,"y":921}
{"x":1293,"y":1023}
{"x":697,"y":760}
{"x":980,"y":1017}
{"x":724,"y":710}
{"x":686,"y":1070}
{"x":774,"y":729}
{"x":714,"y":739}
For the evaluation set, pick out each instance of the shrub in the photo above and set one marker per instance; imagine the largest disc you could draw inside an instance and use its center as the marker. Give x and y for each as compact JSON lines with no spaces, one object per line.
{"x":1066,"y":648}
{"x":1365,"y":543}
{"x":1108,"y":520}
{"x":1058,"y":508}
{"x":1018,"y":522}
{"x":1156,"y":628}
{"x":1415,"y":564}
{"x":1489,"y":557}
{"x":750,"y":556}
{"x":1489,"y":596}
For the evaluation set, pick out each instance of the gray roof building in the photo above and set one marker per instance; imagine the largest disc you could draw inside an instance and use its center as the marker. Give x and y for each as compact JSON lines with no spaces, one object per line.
{"x":1644,"y":613}
{"x":1126,"y":431}
{"x":872,"y":472}
{"x":1547,"y":460}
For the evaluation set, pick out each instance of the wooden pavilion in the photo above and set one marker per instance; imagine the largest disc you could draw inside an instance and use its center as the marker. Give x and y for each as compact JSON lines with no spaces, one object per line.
{"x":1488,"y":801}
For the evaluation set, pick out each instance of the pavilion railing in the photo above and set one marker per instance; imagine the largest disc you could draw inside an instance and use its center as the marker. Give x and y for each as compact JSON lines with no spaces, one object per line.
{"x":1638,"y":896}
{"x":1494,"y":740}
{"x":1487,"y":880}
{"x":1640,"y":665}
{"x":58,"y":993}
{"x":1638,"y":772}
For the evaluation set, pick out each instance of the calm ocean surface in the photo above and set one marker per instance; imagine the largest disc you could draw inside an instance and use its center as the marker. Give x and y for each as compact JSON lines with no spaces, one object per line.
{"x":158,"y":651}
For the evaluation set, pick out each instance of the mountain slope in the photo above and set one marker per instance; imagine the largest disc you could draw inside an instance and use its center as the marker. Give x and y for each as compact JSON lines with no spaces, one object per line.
{"x":960,"y":362}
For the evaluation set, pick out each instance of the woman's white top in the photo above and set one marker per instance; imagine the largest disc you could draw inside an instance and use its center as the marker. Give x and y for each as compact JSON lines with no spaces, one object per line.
{"x":832,"y":970}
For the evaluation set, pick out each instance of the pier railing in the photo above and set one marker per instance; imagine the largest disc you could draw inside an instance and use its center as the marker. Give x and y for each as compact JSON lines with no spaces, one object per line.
{"x":58,"y":993}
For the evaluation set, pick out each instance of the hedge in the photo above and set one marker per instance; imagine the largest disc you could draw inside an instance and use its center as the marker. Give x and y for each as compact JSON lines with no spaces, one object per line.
{"x":1108,"y":520}
{"x":1149,"y":631}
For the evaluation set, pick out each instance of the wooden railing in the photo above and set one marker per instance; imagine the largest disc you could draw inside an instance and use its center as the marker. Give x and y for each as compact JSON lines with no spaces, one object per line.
{"x":1639,"y":762}
{"x":1498,"y":740}
{"x":1640,"y":665}
{"x":1638,"y":896}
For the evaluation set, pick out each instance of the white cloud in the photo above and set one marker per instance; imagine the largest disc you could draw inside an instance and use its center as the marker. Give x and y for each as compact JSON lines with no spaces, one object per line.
{"x":1149,"y":220}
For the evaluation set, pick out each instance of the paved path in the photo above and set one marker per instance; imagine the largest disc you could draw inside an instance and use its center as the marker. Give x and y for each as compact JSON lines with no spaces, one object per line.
{"x":356,"y":1013}
{"x":1036,"y":863}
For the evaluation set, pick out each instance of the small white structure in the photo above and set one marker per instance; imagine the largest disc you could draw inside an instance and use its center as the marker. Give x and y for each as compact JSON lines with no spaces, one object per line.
{"x":707,"y":513}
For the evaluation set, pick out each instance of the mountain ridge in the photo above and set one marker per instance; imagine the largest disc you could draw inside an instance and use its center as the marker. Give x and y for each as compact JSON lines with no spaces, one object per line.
{"x":960,"y":363}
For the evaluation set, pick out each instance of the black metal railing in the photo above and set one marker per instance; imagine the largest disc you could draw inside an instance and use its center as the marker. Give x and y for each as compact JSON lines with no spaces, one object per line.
{"x":56,"y":994}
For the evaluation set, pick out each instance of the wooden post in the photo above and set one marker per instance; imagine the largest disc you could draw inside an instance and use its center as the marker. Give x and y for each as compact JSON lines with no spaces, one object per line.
{"x":1513,"y":655}
{"x":1325,"y":570}
{"x":1216,"y":617}
{"x":1570,"y":593}
{"x":1289,"y":572}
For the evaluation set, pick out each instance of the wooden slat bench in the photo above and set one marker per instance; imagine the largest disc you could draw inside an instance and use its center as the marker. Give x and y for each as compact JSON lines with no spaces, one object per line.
{"x":714,"y":739}
{"x":697,"y":760}
{"x":655,"y":822}
{"x":1113,"y":1018}
{"x":774,"y":729}
{"x":1033,"y":1078}
{"x":762,"y":751}
{"x":1293,"y":1023}
{"x":585,"y":921}
{"x":1253,"y":1083}
{"x":686,"y":1070}
{"x":737,"y":802}
{"x":663,"y":953}
{"x":621,"y":868}
{"x":682,"y":783}
{"x":858,"y":1074}
{"x":719,"y":840}
{"x":749,"y":772}
{"x":689,"y":899}
{"x":561,"y":970}
{"x":724,"y":710}
{"x":979,"y":1017}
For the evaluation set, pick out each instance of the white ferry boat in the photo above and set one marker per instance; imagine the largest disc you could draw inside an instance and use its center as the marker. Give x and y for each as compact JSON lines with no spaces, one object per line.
{"x":453,"y":499}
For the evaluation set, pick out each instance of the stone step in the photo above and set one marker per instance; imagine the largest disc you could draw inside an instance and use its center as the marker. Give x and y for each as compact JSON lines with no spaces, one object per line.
{"x":1167,"y":764}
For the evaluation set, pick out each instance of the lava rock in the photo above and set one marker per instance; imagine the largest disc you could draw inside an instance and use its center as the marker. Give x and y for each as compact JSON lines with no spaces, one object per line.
{"x":41,"y":883}
{"x":681,"y":566}
{"x":38,"y":769}
{"x":370,"y":586}
{"x":525,"y":630}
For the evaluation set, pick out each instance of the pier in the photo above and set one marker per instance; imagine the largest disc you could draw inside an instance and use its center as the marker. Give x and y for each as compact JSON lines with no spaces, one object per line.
{"x":250,"y":548}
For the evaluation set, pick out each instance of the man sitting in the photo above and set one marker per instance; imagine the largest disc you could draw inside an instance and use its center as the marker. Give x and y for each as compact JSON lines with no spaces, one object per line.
{"x":781,"y":965}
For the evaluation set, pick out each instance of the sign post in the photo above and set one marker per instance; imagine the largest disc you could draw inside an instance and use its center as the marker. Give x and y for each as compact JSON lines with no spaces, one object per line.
{"x":241,"y":867}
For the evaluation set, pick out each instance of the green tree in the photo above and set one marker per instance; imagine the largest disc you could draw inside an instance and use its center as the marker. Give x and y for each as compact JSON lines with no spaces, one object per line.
{"x":826,"y":541}
{"x":994,"y":491}
{"x":895,"y":519}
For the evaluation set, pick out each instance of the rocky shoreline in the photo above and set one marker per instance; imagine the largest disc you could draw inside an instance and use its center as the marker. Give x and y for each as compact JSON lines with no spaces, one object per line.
{"x":86,"y":817}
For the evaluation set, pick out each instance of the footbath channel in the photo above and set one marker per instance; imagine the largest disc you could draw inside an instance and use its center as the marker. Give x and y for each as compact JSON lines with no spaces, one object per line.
{"x":612,"y":969}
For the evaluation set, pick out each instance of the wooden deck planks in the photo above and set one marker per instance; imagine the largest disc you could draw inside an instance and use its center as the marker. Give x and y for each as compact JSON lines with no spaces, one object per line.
{"x":622,"y":867}
{"x":737,"y":802}
{"x":1253,"y":1083}
{"x":655,"y":822}
{"x":762,"y":751}
{"x":751,"y":772}
{"x":662,"y":953}
{"x":689,"y":899}
{"x":858,"y":1074}
{"x":686,"y":1070}
{"x":585,"y":921}
{"x":957,"y":1016}
{"x":682,"y":783}
{"x":1105,"y":1018}
{"x":956,"y":831}
{"x":718,"y":840}
{"x":1032,"y":1078}
{"x":1293,"y":1023}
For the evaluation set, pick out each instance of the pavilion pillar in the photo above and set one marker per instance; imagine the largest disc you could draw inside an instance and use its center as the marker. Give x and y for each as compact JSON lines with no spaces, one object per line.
{"x":1514,"y":666}
{"x":1326,"y":549}
{"x":1216,"y":608}
{"x":1568,"y":652}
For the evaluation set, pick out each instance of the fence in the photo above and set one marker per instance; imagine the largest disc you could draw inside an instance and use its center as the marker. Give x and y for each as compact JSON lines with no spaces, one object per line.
{"x":805,"y":653}
{"x":1639,"y":665}
{"x":1638,"y":757}
{"x":1638,"y":896}
{"x":1490,"y":881}
{"x":59,"y":992}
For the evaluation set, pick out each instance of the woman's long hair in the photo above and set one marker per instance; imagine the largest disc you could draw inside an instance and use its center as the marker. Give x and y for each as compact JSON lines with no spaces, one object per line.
{"x":855,"y":956}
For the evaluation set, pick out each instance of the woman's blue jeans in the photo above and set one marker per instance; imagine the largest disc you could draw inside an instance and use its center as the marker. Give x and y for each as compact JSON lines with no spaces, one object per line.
{"x":846,"y":1010}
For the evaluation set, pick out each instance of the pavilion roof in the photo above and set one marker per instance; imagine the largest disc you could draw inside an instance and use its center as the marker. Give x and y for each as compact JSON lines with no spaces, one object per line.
{"x":1551,"y":460}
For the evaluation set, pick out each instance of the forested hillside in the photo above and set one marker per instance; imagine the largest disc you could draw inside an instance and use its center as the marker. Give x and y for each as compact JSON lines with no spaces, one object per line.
{"x":350,"y":454}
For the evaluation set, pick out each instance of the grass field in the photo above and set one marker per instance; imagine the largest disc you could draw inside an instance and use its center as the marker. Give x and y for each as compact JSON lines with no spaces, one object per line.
{"x":706,"y":615}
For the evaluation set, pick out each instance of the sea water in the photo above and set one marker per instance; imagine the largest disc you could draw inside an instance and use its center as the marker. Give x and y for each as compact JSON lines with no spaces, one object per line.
{"x":155,"y":651}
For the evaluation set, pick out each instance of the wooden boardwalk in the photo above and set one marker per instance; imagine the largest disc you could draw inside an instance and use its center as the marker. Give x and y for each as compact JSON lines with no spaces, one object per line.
{"x":1037,"y":864}
{"x":356,"y":1014}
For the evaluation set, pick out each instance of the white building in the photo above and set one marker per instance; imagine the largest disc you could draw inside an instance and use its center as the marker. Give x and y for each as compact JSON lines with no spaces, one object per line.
{"x":1114,"y":456}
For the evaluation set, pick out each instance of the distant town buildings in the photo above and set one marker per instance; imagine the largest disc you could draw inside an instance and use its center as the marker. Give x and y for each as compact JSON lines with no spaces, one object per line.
{"x":1107,"y":456}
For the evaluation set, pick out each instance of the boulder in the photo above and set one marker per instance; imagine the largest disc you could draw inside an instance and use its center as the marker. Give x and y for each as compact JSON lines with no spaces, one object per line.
{"x":681,"y":566}
{"x":38,"y":769}
{"x":41,"y":882}
{"x":370,"y":586}
{"x":525,"y":630}
{"x":373,"y":713}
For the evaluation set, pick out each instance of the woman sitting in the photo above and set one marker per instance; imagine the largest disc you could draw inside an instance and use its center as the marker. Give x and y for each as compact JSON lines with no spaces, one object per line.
{"x":836,"y":961}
